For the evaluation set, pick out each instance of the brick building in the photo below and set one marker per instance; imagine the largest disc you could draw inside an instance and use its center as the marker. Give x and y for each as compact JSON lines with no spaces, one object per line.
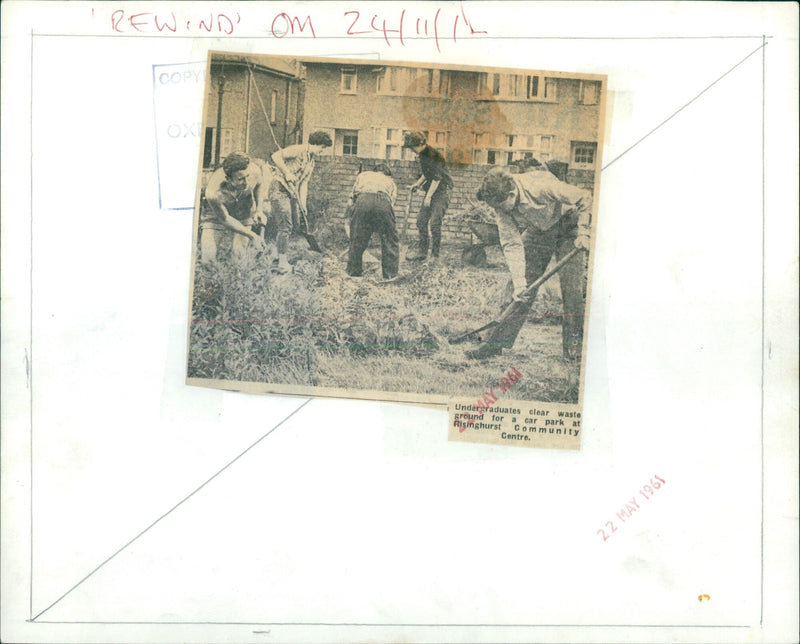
{"x":477,"y":119}
{"x":262,"y":106}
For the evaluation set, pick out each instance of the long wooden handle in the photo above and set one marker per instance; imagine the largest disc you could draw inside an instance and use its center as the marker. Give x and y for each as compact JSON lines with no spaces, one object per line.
{"x":511,"y":308}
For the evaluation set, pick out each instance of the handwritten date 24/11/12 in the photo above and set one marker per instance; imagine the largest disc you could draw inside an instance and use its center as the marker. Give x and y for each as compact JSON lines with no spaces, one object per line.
{"x":632,"y":505}
{"x":408,"y":26}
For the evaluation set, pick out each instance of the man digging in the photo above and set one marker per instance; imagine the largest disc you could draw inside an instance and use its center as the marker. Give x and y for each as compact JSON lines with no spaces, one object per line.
{"x":234,"y":200}
{"x":538,"y":216}
{"x":372,"y":204}
{"x":289,"y":190}
{"x":435,"y":180}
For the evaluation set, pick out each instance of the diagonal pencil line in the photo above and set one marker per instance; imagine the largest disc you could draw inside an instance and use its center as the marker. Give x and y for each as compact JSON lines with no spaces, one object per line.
{"x":30,"y":336}
{"x":680,"y":109}
{"x":173,"y":508}
{"x":763,"y":300}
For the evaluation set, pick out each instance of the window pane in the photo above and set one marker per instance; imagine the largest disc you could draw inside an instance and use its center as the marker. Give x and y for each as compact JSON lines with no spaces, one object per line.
{"x":350,"y":144}
{"x":490,"y":157}
{"x":533,"y":86}
{"x":495,"y":84}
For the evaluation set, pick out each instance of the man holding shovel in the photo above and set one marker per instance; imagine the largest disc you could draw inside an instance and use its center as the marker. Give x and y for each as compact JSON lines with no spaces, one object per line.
{"x":435,"y":180}
{"x":538,"y":216}
{"x":289,"y":190}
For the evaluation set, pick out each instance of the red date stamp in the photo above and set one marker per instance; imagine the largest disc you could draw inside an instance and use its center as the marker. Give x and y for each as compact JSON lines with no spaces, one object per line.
{"x":485,"y":402}
{"x":631,"y":506}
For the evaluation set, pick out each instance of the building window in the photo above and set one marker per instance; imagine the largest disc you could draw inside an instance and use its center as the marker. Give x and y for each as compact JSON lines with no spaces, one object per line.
{"x":345,"y":142}
{"x":350,"y":144}
{"x":443,"y":82}
{"x":273,"y":106}
{"x":210,"y":145}
{"x":517,"y":87}
{"x":539,"y":88}
{"x":403,"y":80}
{"x":349,"y":80}
{"x":583,"y":152}
{"x":589,"y":92}
{"x":532,"y":86}
{"x":387,"y":142}
{"x":549,"y":89}
{"x":505,"y":149}
{"x":425,"y":81}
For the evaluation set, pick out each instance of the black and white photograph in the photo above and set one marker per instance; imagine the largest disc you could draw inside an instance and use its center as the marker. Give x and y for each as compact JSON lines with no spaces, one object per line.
{"x":393,"y":231}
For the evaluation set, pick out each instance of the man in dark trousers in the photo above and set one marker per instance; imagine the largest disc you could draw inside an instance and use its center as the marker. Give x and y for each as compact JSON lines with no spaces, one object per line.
{"x":435,"y":180}
{"x":372,"y":210}
{"x":539,"y":216}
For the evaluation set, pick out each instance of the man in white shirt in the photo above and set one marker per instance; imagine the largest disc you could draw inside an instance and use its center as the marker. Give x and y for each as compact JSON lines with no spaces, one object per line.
{"x":539,"y":216}
{"x":372,"y":201}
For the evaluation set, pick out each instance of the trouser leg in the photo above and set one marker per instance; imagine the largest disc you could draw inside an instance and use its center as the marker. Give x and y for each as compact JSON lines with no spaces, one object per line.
{"x":390,"y":242}
{"x":439,"y":203}
{"x":281,"y":204}
{"x":423,"y":218}
{"x":239,"y":245}
{"x":360,"y":233}
{"x":209,"y":243}
{"x":573,"y":279}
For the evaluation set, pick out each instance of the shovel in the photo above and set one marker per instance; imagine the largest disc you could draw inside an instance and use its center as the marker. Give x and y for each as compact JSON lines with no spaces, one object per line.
{"x":516,"y":309}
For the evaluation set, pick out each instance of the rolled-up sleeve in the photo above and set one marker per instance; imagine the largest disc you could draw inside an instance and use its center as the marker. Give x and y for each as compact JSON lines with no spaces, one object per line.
{"x":579,"y":199}
{"x":513,"y":250}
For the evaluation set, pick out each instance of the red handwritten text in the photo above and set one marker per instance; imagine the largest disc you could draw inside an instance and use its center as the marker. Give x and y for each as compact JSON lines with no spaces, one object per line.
{"x":149,"y":22}
{"x":403,"y":25}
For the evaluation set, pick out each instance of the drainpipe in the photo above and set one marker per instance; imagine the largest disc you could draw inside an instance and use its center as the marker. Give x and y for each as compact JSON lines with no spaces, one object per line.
{"x":218,"y":144}
{"x":286,"y":114}
{"x":247,"y":120}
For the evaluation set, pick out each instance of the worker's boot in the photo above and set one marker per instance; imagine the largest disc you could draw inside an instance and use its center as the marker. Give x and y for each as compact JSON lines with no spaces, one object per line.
{"x":422,"y":252}
{"x":282,"y":267}
{"x":484,"y":351}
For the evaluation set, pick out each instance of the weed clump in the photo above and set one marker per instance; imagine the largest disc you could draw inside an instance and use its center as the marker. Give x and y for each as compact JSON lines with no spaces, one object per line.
{"x":250,"y":325}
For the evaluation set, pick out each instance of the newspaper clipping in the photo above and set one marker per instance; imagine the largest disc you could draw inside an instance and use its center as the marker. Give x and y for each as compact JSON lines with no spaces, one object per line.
{"x":413,"y":233}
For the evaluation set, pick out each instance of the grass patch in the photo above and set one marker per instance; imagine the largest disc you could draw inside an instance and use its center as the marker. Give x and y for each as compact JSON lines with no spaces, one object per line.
{"x":319,"y":327}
